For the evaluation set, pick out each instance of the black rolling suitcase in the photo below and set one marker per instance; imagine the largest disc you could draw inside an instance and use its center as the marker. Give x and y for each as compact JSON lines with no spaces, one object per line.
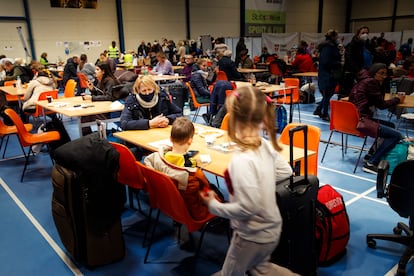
{"x":296,"y":198}
{"x":87,"y":201}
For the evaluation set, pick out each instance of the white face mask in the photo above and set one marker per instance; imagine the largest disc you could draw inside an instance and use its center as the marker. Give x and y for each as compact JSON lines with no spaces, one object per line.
{"x":363,"y":37}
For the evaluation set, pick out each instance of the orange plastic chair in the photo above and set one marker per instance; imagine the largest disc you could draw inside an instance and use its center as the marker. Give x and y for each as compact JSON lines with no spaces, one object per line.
{"x":164,"y":196}
{"x":314,"y":138}
{"x":293,"y":99}
{"x":197,"y":105}
{"x":129,"y":173}
{"x":225,"y":122}
{"x":344,"y":119}
{"x":221,"y":75}
{"x":28,"y":139}
{"x":70,"y":88}
{"x":43,"y":96}
{"x":6,"y":131}
{"x":83,"y":80}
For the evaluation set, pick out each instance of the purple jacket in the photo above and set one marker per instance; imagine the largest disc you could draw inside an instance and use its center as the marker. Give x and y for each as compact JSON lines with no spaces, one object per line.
{"x":367,"y":93}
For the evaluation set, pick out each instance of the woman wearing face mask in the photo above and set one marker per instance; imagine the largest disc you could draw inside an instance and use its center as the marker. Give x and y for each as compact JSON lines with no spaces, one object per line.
{"x":357,"y":57}
{"x":148,"y":107}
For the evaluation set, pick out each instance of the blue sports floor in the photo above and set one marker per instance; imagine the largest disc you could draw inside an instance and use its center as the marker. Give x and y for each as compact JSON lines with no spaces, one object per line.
{"x":30,"y":244}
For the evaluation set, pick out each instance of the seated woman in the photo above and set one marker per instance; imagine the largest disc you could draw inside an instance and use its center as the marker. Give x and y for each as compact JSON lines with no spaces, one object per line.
{"x":148,"y":107}
{"x":163,"y":66}
{"x":303,"y":62}
{"x":199,"y":81}
{"x":102,"y":91}
{"x":42,"y":81}
{"x":368,"y":93}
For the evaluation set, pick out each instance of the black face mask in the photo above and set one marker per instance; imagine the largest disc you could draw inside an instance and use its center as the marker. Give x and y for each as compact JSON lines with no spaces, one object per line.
{"x":147,"y":97}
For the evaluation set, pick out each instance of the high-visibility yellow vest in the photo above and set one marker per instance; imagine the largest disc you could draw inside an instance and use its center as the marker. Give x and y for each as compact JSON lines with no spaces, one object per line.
{"x":113,"y":52}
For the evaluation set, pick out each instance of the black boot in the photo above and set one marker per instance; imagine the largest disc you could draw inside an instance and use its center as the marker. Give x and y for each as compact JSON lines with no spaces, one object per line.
{"x":317,"y":111}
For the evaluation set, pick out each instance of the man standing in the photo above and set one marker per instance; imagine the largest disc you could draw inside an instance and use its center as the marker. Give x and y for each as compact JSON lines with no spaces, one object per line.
{"x":406,"y":49}
{"x":113,"y":52}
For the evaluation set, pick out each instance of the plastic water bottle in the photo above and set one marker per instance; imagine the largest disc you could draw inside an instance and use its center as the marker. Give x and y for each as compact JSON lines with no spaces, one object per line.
{"x":253,"y":80}
{"x":186,"y":110}
{"x":19,"y":83}
{"x":393,"y":89}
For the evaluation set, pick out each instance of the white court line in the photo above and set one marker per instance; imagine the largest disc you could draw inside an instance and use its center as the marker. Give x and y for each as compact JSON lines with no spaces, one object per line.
{"x":42,"y":231}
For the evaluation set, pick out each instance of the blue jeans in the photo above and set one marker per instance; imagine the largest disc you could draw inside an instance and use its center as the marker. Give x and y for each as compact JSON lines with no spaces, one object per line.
{"x":391,"y":137}
{"x":326,"y":98}
{"x":218,"y":95}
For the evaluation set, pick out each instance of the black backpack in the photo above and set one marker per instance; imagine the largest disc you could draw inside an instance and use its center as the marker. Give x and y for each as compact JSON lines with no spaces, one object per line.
{"x":27,"y":73}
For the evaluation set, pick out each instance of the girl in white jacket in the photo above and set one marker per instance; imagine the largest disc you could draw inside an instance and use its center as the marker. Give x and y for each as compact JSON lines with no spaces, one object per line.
{"x":251,"y":181}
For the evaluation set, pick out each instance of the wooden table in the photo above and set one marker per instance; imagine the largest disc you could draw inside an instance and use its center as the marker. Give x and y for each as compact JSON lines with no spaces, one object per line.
{"x":408,"y":101}
{"x":14,"y":91}
{"x":75,"y":107}
{"x":306,"y":74}
{"x":159,"y":78}
{"x":250,"y":70}
{"x":270,"y":89}
{"x":220,"y":160}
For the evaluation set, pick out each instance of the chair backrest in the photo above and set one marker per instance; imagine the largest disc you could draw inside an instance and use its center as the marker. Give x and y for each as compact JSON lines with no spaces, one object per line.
{"x":129,"y":172}
{"x":401,"y":191}
{"x":314,"y":137}
{"x":274,"y":68}
{"x":225,"y":122}
{"x":43,"y":96}
{"x":9,"y":83}
{"x":193,"y":96}
{"x":296,"y":94}
{"x":164,"y":195}
{"x":24,"y":135}
{"x":221,"y":75}
{"x":70,"y":88}
{"x":344,"y":117}
{"x":83,"y":80}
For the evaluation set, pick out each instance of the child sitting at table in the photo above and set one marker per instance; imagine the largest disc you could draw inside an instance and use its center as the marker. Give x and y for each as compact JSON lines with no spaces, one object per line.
{"x":177,"y":164}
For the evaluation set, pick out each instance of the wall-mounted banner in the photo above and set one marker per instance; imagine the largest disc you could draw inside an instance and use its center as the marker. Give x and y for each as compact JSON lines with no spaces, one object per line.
{"x":264,"y":16}
{"x":76,"y":4}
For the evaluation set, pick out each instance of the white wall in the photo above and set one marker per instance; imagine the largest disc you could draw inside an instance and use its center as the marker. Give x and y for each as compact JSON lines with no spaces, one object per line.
{"x":154,"y":19}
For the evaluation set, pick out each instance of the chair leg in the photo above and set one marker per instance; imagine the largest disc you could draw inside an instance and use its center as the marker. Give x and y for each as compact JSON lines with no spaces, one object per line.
{"x":147,"y":228}
{"x":27,"y":156}
{"x":327,"y":144}
{"x":360,"y":153}
{"x":195,"y":115}
{"x":152,"y":237}
{"x":1,"y":144}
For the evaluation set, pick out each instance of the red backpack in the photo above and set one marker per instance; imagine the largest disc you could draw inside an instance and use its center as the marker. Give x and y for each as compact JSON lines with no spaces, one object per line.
{"x":332,"y":225}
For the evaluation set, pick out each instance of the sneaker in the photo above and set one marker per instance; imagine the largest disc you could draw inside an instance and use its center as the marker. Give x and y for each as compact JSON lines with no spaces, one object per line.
{"x":206,"y":118}
{"x":370,"y":168}
{"x":367,"y":157}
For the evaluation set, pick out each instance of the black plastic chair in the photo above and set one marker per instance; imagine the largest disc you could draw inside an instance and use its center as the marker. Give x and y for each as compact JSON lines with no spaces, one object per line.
{"x":400,"y":197}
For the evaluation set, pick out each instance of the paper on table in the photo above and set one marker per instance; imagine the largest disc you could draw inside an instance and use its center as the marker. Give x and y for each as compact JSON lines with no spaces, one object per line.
{"x":116,"y":105}
{"x":160,"y":143}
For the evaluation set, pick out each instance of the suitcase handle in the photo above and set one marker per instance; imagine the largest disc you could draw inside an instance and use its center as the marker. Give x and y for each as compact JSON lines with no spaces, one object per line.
{"x":292,"y":131}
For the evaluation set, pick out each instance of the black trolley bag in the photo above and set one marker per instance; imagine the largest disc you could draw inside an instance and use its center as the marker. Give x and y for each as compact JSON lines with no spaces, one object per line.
{"x":296,"y":198}
{"x":87,"y":201}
